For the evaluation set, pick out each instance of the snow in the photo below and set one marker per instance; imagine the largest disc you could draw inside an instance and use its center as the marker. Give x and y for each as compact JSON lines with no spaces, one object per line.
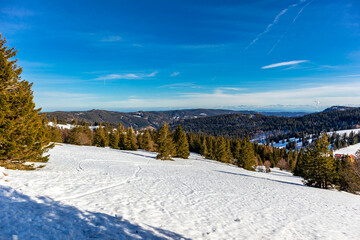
{"x":348,"y":150}
{"x":88,"y":192}
{"x":347,"y":132}
{"x":70,"y":126}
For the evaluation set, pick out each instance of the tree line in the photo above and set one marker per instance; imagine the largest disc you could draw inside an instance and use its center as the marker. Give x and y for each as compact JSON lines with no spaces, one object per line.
{"x":25,"y":136}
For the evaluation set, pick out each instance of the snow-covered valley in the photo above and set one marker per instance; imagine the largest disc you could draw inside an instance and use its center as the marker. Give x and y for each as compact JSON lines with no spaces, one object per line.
{"x":89,"y":192}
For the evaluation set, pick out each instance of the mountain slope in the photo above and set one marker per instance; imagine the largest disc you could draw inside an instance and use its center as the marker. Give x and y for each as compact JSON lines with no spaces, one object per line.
{"x":90,"y":192}
{"x":241,"y":125}
{"x":143,"y":119}
{"x":140,"y":119}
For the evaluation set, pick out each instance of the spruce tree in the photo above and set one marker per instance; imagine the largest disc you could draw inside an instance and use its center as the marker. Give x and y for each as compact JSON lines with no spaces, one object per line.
{"x":100,"y":137}
{"x":23,"y":134}
{"x":204,"y":149}
{"x":319,"y":165}
{"x":114,"y":139}
{"x":223,"y":153}
{"x":147,"y":142}
{"x":181,"y":143}
{"x":166,"y":146}
{"x":130,"y":140}
{"x":247,"y":156}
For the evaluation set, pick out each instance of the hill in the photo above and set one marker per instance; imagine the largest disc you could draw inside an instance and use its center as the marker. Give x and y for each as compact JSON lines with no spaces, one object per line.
{"x":100,"y":193}
{"x":254,"y":125}
{"x":143,"y":119}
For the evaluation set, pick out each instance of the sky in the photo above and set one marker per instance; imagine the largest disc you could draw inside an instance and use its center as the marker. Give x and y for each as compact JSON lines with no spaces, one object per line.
{"x":266,"y":55}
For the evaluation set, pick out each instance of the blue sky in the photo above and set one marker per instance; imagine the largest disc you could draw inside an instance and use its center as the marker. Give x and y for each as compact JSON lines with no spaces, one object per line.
{"x":289,"y":55}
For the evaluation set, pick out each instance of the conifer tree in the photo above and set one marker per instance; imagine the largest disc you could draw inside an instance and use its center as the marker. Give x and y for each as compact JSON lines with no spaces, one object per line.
{"x":247,"y":156}
{"x":181,"y":143}
{"x":23,"y":134}
{"x":222,"y":151}
{"x":130,"y":140}
{"x":165,"y":143}
{"x":147,"y":142}
{"x":114,"y":139}
{"x":204,"y":149}
{"x":100,"y":138}
{"x":319,"y":166}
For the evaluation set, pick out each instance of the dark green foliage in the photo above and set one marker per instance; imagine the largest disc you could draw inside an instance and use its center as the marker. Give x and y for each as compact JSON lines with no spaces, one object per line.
{"x":147,"y":143}
{"x":319,"y":165}
{"x":166,"y":146}
{"x":349,"y":174}
{"x":100,"y":137}
{"x":181,"y":143}
{"x":23,"y":133}
{"x":246,"y":158}
{"x":54,"y":134}
{"x":223,"y":153}
{"x":241,"y":125}
{"x":114,"y":137}
{"x":130,"y":142}
{"x":79,"y":136}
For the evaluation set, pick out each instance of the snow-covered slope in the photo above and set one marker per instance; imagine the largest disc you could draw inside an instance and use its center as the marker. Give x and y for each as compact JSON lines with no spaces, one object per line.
{"x":352,"y":149}
{"x":89,"y":192}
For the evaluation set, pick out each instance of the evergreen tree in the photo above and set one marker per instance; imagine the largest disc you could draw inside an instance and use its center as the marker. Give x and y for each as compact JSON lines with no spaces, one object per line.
{"x":181,"y":143}
{"x":247,"y":156}
{"x":222,"y":151}
{"x":319,"y":165}
{"x":114,"y":139}
{"x":23,"y":134}
{"x":204,"y":149}
{"x":165,"y":143}
{"x":130,"y":140}
{"x":100,"y":137}
{"x":147,"y":142}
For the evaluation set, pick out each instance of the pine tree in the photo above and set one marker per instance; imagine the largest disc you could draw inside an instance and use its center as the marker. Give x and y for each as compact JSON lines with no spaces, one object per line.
{"x":319,"y":165}
{"x":165,"y":143}
{"x":23,"y":134}
{"x":130,"y":140}
{"x":181,"y":143}
{"x":114,"y":139}
{"x":223,"y":153}
{"x":147,"y":142}
{"x":204,"y":149}
{"x":100,"y":137}
{"x":247,"y":156}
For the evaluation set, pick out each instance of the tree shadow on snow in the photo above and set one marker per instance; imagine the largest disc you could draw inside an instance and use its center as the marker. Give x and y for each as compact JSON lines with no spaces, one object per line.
{"x":45,"y":218}
{"x":137,"y":153}
{"x":274,"y":180}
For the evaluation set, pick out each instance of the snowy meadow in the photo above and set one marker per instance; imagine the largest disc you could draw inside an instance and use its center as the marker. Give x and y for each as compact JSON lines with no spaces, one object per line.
{"x":89,"y":192}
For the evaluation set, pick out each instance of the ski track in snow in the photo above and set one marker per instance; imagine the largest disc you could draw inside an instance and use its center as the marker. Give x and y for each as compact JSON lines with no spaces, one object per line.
{"x":89,"y":192}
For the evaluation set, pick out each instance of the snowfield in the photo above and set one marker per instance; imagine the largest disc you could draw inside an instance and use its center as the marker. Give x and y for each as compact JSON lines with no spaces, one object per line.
{"x":101,"y":193}
{"x":352,"y":149}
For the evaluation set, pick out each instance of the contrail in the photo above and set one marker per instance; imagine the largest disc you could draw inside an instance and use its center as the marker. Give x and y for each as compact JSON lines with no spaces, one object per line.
{"x":294,"y":20}
{"x":302,"y":10}
{"x":275,"y":21}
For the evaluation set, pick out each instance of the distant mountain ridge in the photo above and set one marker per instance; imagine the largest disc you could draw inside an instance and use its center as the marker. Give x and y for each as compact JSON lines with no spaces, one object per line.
{"x":338,"y":108}
{"x":152,"y":119}
{"x":255,"y":125}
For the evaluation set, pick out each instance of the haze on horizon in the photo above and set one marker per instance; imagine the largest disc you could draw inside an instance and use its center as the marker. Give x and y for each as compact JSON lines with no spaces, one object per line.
{"x":289,"y":55}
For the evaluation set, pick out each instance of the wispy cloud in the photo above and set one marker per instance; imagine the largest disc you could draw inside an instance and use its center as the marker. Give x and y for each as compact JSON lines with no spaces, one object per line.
{"x":301,"y":10}
{"x":180,"y":85}
{"x":283,"y":99}
{"x":127,"y":76}
{"x":111,"y":39}
{"x":17,"y":12}
{"x":174,"y":74}
{"x":268,"y":28}
{"x":281,"y":64}
{"x":232,"y":89}
{"x":294,"y":20}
